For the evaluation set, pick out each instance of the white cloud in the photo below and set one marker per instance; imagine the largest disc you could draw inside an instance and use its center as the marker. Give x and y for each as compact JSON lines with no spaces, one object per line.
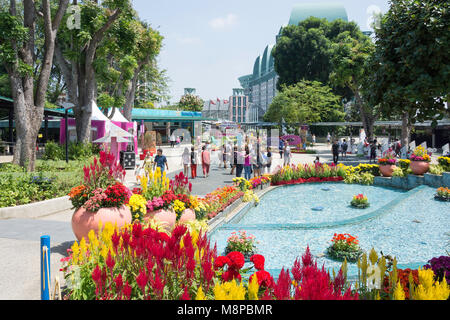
{"x":223,"y":22}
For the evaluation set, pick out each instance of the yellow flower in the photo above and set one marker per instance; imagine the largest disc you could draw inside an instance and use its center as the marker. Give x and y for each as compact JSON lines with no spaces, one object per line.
{"x":229,"y":291}
{"x":253,"y":288}
{"x":399,"y":293}
{"x":429,"y":289}
{"x":200,"y":294}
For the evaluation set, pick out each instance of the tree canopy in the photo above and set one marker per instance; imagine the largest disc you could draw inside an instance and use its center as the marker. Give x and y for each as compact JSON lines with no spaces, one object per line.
{"x":304,"y":103}
{"x":190,"y":102}
{"x":410,"y":69}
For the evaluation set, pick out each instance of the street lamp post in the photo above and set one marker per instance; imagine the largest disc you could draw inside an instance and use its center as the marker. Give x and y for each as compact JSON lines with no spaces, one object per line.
{"x":66,"y":116}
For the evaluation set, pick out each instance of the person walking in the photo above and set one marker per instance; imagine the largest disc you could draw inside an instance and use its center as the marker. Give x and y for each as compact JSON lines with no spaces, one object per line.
{"x":328,"y":138}
{"x":194,"y":159}
{"x":281,"y":148}
{"x":160,"y":161}
{"x":335,"y":151}
{"x":240,"y":163}
{"x":224,"y":156}
{"x":287,"y":155}
{"x":268,"y":165}
{"x":344,"y":148}
{"x":172,"y":140}
{"x":373,"y":151}
{"x":247,"y":164}
{"x":257,"y":166}
{"x":186,"y":159}
{"x":235,"y":156}
{"x":206,"y":161}
{"x":314,"y":139}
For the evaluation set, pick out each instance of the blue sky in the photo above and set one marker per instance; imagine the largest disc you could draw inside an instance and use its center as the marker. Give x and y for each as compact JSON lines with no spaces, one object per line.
{"x":209,"y":44}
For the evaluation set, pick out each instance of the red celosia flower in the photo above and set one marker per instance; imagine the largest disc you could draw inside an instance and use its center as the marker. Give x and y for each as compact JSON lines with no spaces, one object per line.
{"x":186,"y":295}
{"x":258,"y":261}
{"x":119,"y":282}
{"x":163,"y":237}
{"x":282,"y":288}
{"x":142,"y":280}
{"x":110,"y":261}
{"x":220,"y":262}
{"x":237,"y":260}
{"x":115,"y":239}
{"x":230,"y":275}
{"x":127,"y":290}
{"x":265,"y":279}
{"x":97,"y":275}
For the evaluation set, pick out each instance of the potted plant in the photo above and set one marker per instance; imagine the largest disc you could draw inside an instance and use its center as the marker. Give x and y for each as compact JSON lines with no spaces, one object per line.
{"x":360,"y":201}
{"x":102,"y":197}
{"x":387,"y":164}
{"x":241,"y":243}
{"x":420,"y":161}
{"x":442,"y":194}
{"x":344,"y":246}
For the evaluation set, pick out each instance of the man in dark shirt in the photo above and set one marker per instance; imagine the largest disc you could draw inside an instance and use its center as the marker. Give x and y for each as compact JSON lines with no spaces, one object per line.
{"x":160,"y":160}
{"x":335,"y":151}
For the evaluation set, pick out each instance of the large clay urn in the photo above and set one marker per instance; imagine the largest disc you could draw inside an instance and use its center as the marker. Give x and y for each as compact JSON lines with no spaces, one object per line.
{"x":419,"y":168}
{"x":84,"y":221}
{"x":168,"y":217}
{"x":387,"y":170}
{"x":188,"y":215}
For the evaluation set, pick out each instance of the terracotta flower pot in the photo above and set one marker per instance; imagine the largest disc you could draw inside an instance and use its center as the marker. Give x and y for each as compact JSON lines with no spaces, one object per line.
{"x":419,"y":168}
{"x":168,"y":217}
{"x":387,"y":169}
{"x":188,"y":215}
{"x":84,"y":221}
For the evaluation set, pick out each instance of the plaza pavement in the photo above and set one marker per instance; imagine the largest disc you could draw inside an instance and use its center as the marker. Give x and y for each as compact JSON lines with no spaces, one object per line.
{"x":20,"y":238}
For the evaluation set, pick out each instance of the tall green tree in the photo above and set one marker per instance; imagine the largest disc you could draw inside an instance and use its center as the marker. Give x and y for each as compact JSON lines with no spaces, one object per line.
{"x":409,"y":73}
{"x":76,"y":55}
{"x":20,"y":29}
{"x":191,"y":102}
{"x":304,"y":103}
{"x":349,"y":59}
{"x":304,"y":52}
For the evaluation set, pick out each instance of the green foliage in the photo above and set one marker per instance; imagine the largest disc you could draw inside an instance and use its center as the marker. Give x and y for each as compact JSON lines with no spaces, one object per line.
{"x":365,"y":178}
{"x":53,"y":151}
{"x":410,"y":70}
{"x":77,"y":151}
{"x":190,"y":102}
{"x":304,"y":52}
{"x":305,"y":102}
{"x":436,"y":169}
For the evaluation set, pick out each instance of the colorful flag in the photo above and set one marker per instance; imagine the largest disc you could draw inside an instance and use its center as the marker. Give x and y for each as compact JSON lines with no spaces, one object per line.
{"x":212,"y":102}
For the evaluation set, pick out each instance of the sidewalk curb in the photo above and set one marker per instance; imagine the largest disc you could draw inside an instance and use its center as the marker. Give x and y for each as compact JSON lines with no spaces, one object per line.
{"x":37,"y":209}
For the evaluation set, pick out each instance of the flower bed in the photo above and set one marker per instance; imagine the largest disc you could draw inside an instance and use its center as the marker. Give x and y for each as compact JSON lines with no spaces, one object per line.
{"x":140,"y":262}
{"x":360,"y":201}
{"x":344,"y":247}
{"x":307,"y":173}
{"x":442,"y":194}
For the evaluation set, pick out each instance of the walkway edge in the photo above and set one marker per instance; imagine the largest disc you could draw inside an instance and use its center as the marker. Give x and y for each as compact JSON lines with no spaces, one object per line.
{"x":37,"y":209}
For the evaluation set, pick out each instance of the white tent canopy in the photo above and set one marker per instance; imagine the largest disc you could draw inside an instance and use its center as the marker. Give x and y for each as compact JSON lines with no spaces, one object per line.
{"x":97,"y":114}
{"x":118,"y":116}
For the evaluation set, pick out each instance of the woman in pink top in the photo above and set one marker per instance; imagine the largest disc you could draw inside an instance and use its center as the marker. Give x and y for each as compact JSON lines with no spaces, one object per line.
{"x":205,"y":162}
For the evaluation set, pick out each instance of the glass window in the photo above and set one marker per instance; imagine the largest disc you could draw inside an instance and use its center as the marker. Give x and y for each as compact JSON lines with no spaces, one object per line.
{"x":234,"y":101}
{"x":240,"y":101}
{"x":245,"y":101}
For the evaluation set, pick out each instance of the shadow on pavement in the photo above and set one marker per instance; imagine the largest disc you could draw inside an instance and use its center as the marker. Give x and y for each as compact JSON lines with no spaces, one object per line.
{"x":62,"y":248}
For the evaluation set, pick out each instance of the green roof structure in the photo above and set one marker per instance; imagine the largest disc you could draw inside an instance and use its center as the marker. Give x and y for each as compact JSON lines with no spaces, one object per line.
{"x":330,"y":11}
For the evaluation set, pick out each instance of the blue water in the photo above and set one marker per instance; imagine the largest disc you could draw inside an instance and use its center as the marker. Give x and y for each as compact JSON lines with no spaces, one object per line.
{"x":411,"y":226}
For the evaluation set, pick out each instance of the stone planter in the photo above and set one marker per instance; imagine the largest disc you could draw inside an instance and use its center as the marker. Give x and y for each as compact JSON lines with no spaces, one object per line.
{"x":387,"y":170}
{"x":400,"y":182}
{"x":446,"y":179}
{"x":433,"y":180}
{"x":188,"y":215}
{"x":167,"y":217}
{"x":419,"y":168}
{"x":84,"y":221}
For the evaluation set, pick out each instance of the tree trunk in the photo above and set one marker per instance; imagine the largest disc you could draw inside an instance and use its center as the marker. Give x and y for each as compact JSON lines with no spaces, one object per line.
{"x":406,"y":130}
{"x":367,"y":119}
{"x":131,"y":94}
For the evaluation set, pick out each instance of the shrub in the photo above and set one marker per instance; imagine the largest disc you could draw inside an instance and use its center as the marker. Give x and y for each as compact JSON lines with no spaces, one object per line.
{"x":53,"y":151}
{"x":436,"y":169}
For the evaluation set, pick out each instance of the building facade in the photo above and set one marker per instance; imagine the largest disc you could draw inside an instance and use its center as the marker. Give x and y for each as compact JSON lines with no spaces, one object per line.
{"x":261,"y":85}
{"x":238,"y":106}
